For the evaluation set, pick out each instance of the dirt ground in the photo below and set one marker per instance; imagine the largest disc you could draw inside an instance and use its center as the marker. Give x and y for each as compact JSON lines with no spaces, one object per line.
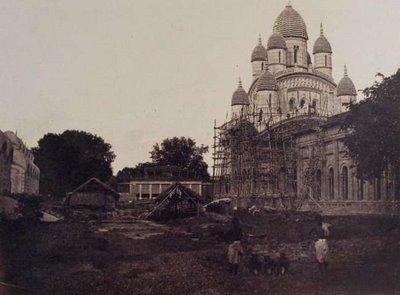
{"x":189,"y":257}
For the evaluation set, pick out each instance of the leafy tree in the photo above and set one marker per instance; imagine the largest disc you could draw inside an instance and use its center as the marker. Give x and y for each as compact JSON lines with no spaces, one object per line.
{"x":374,"y":125}
{"x":128,"y":173}
{"x":68,"y":159}
{"x":183,"y":153}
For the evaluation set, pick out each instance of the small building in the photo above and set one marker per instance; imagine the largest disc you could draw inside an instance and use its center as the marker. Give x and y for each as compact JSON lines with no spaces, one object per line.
{"x":157,"y":179}
{"x":177,"y":201}
{"x":93,"y":195}
{"x":151,"y":189}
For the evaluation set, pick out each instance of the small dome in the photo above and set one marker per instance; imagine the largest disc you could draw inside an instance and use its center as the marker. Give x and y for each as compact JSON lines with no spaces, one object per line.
{"x":259,"y":52}
{"x":290,"y":24}
{"x":322,"y":44}
{"x":240,"y":96}
{"x":276,"y":41}
{"x":346,"y":86}
{"x":267,"y":82}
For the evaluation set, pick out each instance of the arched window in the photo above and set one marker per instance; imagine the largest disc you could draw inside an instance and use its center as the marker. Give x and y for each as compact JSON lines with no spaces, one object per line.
{"x":331,"y":182}
{"x":360,"y":189}
{"x":296,"y":49}
{"x":378,"y":189}
{"x":318,"y":185}
{"x":270,"y":101}
{"x":262,"y":66}
{"x":326,"y":61}
{"x":345,"y":183}
{"x":280,"y":56}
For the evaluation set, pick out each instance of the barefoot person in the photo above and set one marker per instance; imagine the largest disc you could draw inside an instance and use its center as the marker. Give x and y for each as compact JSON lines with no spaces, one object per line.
{"x":321,"y":253}
{"x":235,"y":252}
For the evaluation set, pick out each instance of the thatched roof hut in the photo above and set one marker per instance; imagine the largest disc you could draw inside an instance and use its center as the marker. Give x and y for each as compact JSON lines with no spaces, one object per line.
{"x":93,"y":194}
{"x":176,"y":201}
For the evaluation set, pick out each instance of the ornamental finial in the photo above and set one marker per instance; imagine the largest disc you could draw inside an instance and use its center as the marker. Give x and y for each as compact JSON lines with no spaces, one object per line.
{"x":322,"y":29}
{"x":345,"y":71}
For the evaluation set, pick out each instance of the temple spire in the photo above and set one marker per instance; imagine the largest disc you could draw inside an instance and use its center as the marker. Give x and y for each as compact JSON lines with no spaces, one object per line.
{"x":345,"y":71}
{"x":259,"y":39}
{"x":240,"y":82}
{"x":322,"y":29}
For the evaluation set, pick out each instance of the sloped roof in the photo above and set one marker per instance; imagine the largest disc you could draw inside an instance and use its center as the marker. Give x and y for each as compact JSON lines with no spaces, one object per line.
{"x":95,"y":181}
{"x":167,"y":195}
{"x":185,"y":190}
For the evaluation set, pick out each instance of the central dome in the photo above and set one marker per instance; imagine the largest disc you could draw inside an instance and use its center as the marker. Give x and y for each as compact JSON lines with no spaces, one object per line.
{"x":290,"y":24}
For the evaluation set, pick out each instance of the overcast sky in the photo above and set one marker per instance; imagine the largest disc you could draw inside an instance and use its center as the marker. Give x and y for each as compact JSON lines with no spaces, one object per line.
{"x":135,"y":72}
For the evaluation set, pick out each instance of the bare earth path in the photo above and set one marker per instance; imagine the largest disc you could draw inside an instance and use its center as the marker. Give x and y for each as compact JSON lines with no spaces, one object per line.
{"x":147,"y":258}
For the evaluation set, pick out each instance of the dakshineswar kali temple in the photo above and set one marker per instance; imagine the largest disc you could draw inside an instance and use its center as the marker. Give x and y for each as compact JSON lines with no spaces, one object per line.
{"x":283,"y":144}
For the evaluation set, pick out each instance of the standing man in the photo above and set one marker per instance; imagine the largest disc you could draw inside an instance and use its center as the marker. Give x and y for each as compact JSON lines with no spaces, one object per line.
{"x":321,"y":254}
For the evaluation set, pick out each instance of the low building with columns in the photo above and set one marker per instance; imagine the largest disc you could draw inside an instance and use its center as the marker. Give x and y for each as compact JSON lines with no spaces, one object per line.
{"x":142,"y":189}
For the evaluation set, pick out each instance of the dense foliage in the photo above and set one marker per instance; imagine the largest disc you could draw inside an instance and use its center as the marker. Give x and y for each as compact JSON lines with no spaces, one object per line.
{"x":178,"y":155}
{"x":128,"y":173}
{"x":68,"y":159}
{"x":30,"y":207}
{"x":374,"y":125}
{"x":183,"y":153}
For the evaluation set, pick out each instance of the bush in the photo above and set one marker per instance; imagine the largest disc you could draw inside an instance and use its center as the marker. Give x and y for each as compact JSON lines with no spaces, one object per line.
{"x":30,"y":207}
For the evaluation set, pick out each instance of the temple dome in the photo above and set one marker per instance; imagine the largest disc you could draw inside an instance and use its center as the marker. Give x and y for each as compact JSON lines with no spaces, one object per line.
{"x":322,"y":44}
{"x":267,"y":82}
{"x":240,"y":96}
{"x":259,"y":52}
{"x":290,"y":24}
{"x":346,"y":86}
{"x":276,"y":41}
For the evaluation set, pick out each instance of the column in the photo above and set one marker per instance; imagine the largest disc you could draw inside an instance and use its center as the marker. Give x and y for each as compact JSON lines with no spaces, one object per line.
{"x":150,"y":191}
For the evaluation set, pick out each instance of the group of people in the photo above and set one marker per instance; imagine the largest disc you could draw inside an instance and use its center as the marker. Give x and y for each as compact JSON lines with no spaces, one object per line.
{"x":278,"y":265}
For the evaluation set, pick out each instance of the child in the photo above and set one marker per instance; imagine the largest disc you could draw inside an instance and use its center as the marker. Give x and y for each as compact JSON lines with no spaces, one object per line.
{"x":268,"y":265}
{"x":321,"y":253}
{"x":282,"y":264}
{"x":235,"y":252}
{"x":256,"y":264}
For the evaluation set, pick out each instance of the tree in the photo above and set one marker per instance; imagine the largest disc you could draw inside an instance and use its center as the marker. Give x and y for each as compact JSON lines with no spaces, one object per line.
{"x":30,"y":207}
{"x":183,"y":153}
{"x":374,"y":129}
{"x":68,"y":159}
{"x":128,"y":173}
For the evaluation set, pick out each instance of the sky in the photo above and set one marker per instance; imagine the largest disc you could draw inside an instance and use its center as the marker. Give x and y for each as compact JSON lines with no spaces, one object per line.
{"x":137,"y":71}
